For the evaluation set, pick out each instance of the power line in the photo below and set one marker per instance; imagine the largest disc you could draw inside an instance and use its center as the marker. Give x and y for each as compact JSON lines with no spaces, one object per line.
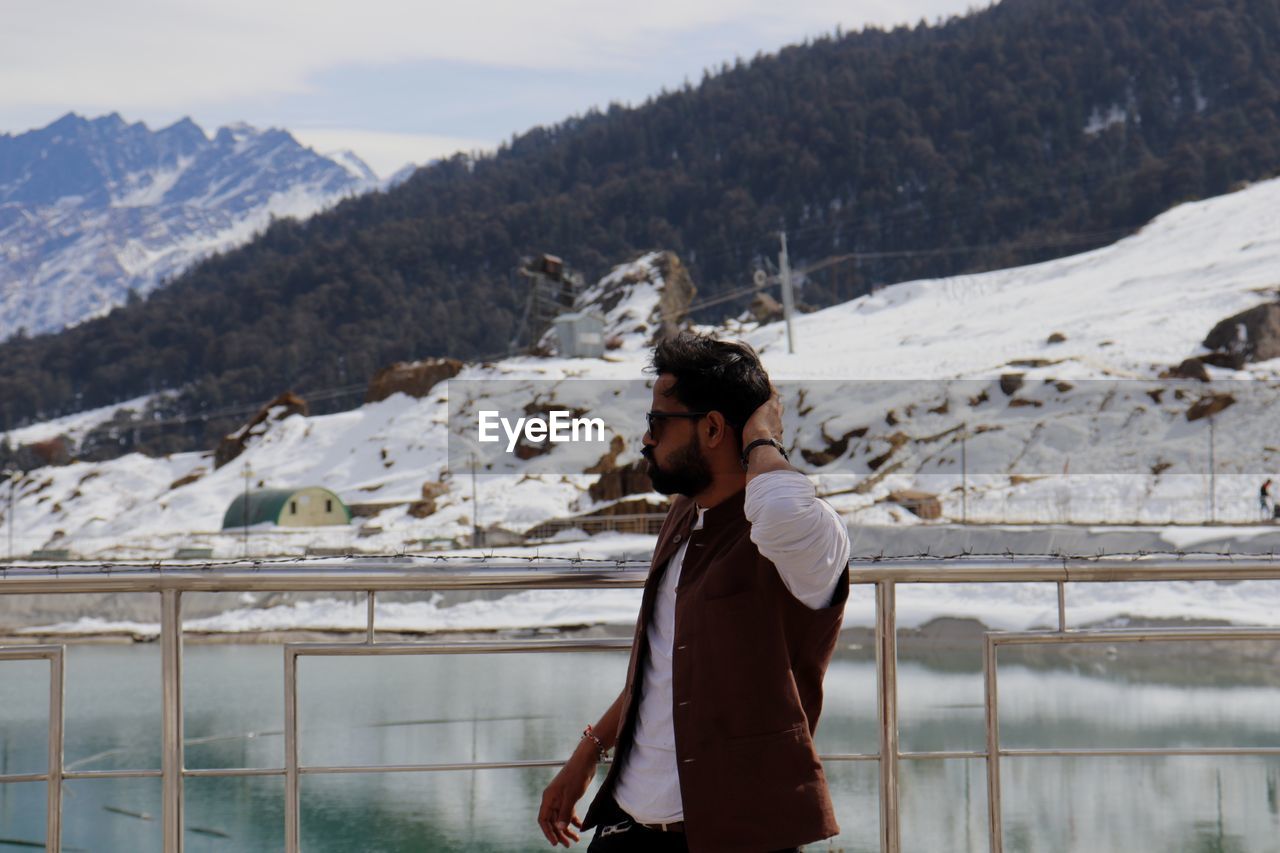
{"x":1070,"y":240}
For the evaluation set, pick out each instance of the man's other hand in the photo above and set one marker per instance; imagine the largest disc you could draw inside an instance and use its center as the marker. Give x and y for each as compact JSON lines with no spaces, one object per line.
{"x":557,"y":818}
{"x":765,"y":422}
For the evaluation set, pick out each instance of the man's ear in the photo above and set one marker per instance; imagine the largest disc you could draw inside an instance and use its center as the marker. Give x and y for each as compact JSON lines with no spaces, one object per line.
{"x":717,"y":429}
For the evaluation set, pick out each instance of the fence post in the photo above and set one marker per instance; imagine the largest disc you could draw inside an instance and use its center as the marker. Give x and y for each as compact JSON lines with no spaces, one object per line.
{"x":57,"y":694}
{"x":992,"y":704}
{"x":887,"y":688}
{"x":292,"y":795}
{"x":171,"y":678}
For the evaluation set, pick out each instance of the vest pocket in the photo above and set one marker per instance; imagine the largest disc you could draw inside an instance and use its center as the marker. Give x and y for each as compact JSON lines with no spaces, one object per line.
{"x":769,"y":774}
{"x":790,"y":733}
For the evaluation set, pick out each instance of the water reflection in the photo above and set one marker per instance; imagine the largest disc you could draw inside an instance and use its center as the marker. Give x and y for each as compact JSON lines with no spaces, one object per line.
{"x":462,"y":708}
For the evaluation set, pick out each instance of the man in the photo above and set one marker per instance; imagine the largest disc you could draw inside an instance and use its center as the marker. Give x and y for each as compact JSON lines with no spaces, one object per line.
{"x":714,"y":726}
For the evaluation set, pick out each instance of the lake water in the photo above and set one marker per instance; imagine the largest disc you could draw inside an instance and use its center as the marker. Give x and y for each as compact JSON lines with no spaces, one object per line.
{"x":503,"y":707}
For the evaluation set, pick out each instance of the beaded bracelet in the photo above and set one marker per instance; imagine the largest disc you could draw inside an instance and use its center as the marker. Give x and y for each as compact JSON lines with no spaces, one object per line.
{"x":588,"y":733}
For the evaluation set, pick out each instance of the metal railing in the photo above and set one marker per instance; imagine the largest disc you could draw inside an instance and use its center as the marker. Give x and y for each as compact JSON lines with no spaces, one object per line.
{"x":402,"y":574}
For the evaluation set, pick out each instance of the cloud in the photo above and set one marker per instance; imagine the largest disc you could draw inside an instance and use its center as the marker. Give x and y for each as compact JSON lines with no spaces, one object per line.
{"x":146,"y":55}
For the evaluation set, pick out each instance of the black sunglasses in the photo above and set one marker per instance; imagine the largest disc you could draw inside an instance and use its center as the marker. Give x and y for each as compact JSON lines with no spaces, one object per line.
{"x":655,"y":420}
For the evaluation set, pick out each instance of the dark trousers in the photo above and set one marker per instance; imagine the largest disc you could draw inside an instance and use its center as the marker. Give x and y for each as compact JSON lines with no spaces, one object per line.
{"x":618,"y":833}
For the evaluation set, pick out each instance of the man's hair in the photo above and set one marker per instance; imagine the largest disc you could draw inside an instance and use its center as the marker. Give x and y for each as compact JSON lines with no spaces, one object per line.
{"x":714,"y":375}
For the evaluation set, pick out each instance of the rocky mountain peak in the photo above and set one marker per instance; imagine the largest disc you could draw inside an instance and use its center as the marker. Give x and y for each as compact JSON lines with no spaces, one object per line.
{"x":93,"y":208}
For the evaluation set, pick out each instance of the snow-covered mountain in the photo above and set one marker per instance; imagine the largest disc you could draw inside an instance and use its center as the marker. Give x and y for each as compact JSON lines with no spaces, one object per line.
{"x":91,"y":209}
{"x":1128,"y":312}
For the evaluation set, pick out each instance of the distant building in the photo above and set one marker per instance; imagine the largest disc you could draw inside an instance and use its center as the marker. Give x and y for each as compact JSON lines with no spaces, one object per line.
{"x":580,"y":334}
{"x":311,"y":506}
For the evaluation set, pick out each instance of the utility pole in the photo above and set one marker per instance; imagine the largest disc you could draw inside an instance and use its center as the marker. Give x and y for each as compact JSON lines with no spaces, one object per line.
{"x":12,"y":476}
{"x":475,"y":508}
{"x":244,"y":509}
{"x":1213,"y":477}
{"x":788,"y":299}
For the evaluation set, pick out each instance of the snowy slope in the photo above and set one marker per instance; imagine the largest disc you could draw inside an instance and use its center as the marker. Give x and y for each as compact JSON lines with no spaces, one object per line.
{"x":1127,"y":311}
{"x":91,"y":209}
{"x":1146,"y":301}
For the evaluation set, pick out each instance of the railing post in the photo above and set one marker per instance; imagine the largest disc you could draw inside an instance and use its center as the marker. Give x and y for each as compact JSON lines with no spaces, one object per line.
{"x":57,"y":688}
{"x":992,"y":707}
{"x":292,"y":807}
{"x":171,"y":678}
{"x":887,"y":688}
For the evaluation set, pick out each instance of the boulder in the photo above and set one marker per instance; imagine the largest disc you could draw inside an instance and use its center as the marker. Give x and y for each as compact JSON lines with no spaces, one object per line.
{"x":923,"y":504}
{"x":765,"y":309}
{"x":1010,"y":383}
{"x":1191,"y":368}
{"x":1222,"y":359}
{"x":415,"y":378}
{"x":1249,"y":336}
{"x":1209,"y":406}
{"x":427,"y":505}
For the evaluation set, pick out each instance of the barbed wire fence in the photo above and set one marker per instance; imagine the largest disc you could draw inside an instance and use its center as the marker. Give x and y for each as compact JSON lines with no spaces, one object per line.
{"x":511,"y":561}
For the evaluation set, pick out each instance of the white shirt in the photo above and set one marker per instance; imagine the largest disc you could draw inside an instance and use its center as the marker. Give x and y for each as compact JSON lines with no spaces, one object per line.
{"x":807,"y":541}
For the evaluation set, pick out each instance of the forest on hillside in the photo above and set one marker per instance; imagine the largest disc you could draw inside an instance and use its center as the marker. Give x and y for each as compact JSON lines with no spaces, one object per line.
{"x":1030,"y":130}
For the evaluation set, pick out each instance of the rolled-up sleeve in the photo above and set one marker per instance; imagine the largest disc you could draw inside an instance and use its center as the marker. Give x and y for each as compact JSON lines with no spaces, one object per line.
{"x":800,"y":534}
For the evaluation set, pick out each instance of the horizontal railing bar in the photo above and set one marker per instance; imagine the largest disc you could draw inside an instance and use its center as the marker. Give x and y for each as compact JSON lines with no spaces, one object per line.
{"x":486,"y":765}
{"x":1132,"y":635}
{"x":111,"y":774}
{"x":944,"y":755}
{"x":1053,"y":570}
{"x":1140,"y":752}
{"x":349,"y":580}
{"x":232,"y":772}
{"x":32,"y":652}
{"x":429,"y":768}
{"x":229,"y":772}
{"x":482,"y":647}
{"x":24,"y":777}
{"x":377,"y":576}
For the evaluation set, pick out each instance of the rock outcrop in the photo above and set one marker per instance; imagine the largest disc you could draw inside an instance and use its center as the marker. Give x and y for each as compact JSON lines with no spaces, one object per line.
{"x":618,"y":481}
{"x":642,"y":302}
{"x":415,"y":378}
{"x":28,"y":457}
{"x":278,"y":409}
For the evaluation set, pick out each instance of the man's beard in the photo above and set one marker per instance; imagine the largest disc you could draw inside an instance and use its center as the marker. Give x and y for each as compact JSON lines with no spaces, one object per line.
{"x":689,"y":474}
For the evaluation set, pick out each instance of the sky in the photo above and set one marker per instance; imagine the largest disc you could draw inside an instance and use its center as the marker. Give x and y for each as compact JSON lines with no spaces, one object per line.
{"x":396,"y":81}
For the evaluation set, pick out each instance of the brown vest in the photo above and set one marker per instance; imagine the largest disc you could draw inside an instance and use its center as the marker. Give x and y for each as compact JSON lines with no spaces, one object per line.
{"x":747,"y":669}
